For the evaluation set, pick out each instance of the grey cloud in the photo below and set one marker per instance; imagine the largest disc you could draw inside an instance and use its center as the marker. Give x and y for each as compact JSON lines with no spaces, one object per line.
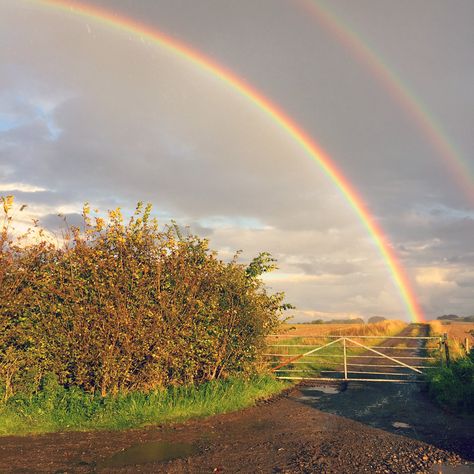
{"x":138,"y":124}
{"x":58,"y":223}
{"x":327,"y":268}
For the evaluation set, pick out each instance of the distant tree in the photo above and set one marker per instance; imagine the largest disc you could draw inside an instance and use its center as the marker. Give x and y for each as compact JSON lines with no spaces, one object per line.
{"x":346,"y":321}
{"x":448,"y":317}
{"x":376,"y":319}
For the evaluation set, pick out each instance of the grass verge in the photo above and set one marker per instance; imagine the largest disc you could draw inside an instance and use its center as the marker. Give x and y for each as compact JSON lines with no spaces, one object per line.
{"x":59,"y":409}
{"x":453,"y":387}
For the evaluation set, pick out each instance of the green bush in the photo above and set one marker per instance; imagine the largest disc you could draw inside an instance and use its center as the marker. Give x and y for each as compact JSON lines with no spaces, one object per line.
{"x":124,"y":306}
{"x":453,"y":386}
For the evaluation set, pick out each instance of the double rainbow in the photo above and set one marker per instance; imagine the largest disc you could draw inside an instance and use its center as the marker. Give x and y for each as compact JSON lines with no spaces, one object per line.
{"x":398,"y":90}
{"x":272,"y":111}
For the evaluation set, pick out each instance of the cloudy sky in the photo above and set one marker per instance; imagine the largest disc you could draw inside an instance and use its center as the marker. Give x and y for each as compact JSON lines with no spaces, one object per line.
{"x":92,"y":113}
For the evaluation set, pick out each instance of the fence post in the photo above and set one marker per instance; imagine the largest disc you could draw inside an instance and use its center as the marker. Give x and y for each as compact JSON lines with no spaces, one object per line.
{"x":446,"y":349}
{"x":345,"y":359}
{"x":441,"y":351}
{"x":466,"y":346}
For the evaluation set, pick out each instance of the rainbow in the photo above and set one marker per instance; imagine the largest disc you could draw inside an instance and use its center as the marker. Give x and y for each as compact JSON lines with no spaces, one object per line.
{"x":272,"y":111}
{"x":423,"y":119}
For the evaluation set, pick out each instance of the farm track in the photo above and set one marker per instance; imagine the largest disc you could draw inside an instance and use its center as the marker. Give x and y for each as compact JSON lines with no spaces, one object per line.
{"x":302,"y":431}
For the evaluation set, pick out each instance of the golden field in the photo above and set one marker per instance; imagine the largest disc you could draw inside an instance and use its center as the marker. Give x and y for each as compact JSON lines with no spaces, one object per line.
{"x":454,"y":330}
{"x":388,"y":327}
{"x":457,"y":333}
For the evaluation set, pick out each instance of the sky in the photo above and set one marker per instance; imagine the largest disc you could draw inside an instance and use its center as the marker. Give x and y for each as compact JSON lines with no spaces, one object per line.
{"x":92,"y":113}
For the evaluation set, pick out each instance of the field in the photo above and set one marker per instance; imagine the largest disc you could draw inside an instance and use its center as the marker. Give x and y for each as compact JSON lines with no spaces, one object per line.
{"x":457,"y":333}
{"x":455,"y":330}
{"x":376,"y":329}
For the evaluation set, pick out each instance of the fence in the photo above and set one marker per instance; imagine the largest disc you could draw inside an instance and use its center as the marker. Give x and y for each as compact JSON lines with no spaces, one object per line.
{"x":355,"y":358}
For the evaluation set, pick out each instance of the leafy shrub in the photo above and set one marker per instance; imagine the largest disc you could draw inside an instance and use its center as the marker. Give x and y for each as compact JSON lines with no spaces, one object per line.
{"x":122,"y":306}
{"x":453,"y":386}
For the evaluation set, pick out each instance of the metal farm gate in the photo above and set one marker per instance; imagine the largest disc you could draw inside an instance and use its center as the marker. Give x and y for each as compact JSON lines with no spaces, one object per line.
{"x":353,"y":358}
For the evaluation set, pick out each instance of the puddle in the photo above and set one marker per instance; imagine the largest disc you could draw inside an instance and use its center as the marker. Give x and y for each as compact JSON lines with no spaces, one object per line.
{"x":370,"y":408}
{"x":447,"y":469}
{"x":329,"y":389}
{"x":153,"y":451}
{"x":309,"y":397}
{"x":400,"y":424}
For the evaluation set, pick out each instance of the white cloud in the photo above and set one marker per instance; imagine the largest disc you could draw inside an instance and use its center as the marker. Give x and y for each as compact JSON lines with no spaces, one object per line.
{"x":21,"y":187}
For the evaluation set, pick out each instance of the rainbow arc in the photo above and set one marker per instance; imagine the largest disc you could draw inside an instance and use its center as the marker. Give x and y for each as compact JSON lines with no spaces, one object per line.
{"x":238,"y":85}
{"x":398,"y":90}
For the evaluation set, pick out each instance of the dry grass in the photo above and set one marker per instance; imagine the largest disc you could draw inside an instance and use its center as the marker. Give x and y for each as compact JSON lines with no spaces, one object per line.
{"x":385,"y":328}
{"x":457,"y":333}
{"x":454,"y":330}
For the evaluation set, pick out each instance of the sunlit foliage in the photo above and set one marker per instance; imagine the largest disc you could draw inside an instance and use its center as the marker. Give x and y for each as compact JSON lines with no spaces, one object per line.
{"x":122,"y":305}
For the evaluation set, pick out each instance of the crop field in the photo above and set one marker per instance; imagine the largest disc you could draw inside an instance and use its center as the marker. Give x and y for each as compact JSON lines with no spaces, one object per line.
{"x":457,"y":333}
{"x":456,"y":330}
{"x":357,"y":329}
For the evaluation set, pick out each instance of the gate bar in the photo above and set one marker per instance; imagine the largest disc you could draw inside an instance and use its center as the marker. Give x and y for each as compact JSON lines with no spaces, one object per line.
{"x":382,"y":356}
{"x":362,"y":372}
{"x":350,"y":356}
{"x":299,"y":356}
{"x":345,"y":358}
{"x":391,"y":366}
{"x":355,"y":337}
{"x":375,"y":347}
{"x":319,"y":355}
{"x":327,"y":379}
{"x":388,"y":357}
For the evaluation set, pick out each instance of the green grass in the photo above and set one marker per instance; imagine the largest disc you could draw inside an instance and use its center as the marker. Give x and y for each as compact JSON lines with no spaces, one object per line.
{"x":58,"y":409}
{"x":453,"y":387}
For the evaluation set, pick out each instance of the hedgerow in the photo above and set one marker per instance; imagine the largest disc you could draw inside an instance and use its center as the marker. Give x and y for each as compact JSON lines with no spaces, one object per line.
{"x":453,"y":386}
{"x":122,"y":305}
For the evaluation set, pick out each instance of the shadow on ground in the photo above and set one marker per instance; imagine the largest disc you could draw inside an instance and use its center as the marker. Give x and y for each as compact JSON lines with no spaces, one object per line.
{"x":402,"y":409}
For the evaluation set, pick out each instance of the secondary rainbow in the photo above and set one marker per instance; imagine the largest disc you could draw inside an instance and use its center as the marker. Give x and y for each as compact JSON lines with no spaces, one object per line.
{"x":275,"y":113}
{"x":423,"y":119}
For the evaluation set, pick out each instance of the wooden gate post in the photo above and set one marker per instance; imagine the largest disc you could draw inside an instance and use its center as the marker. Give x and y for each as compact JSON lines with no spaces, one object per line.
{"x":345,"y":359}
{"x":446,"y":349}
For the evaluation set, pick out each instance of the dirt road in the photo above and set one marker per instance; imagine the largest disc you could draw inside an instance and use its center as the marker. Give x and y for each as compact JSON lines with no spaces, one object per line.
{"x":375,"y":428}
{"x":398,"y":408}
{"x":282,"y":436}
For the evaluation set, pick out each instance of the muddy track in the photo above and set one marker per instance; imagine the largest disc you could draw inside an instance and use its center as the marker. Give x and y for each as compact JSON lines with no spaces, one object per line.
{"x":375,"y":427}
